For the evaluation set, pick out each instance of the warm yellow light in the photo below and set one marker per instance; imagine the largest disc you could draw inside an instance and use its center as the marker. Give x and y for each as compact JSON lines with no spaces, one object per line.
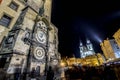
{"x":62,"y":64}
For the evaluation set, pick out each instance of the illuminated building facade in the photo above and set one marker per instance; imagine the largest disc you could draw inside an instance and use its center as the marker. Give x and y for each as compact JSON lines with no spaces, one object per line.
{"x":9,"y":15}
{"x":29,"y":41}
{"x":92,"y":60}
{"x":110,"y":49}
{"x":117,"y":37}
{"x":87,"y":49}
{"x":115,"y":48}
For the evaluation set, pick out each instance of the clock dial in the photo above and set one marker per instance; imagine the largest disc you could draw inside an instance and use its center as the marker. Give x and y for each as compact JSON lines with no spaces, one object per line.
{"x":41,"y":37}
{"x":39,"y":53}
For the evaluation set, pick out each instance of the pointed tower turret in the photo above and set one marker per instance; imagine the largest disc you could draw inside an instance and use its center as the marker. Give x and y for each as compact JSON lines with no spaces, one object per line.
{"x":81,"y":46}
{"x":90,"y":46}
{"x":88,"y":41}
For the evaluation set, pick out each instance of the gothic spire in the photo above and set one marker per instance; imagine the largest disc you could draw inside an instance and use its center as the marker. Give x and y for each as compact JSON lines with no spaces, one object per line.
{"x":80,"y":42}
{"x":88,"y":41}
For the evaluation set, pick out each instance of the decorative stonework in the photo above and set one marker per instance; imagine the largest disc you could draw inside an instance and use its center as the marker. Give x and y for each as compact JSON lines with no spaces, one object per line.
{"x":39,"y":53}
{"x":32,"y":42}
{"x":41,"y":37}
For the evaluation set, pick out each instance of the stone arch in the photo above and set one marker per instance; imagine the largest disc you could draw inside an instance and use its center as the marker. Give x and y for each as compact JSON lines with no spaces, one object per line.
{"x":45,"y":21}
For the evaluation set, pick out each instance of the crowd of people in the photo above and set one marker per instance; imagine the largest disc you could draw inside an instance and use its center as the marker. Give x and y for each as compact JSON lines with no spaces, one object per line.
{"x":78,"y":72}
{"x":103,"y":72}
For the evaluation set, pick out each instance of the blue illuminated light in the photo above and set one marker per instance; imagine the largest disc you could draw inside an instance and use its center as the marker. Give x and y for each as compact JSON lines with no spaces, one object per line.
{"x":97,"y":38}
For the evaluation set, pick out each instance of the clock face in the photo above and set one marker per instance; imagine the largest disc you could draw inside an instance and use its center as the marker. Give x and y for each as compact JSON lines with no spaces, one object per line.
{"x":41,"y":37}
{"x":39,"y":53}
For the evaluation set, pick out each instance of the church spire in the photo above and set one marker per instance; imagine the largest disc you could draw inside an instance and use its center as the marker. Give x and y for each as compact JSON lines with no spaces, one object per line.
{"x":89,"y":45}
{"x":88,"y":41}
{"x":81,"y":46}
{"x":80,"y":42}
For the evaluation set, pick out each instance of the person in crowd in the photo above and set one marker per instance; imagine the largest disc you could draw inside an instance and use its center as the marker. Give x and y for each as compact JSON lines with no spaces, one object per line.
{"x":50,"y":74}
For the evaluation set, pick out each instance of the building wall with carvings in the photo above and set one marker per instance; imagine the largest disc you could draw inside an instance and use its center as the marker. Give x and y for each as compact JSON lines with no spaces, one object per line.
{"x":6,"y":10}
{"x":92,"y":60}
{"x":31,"y":44}
{"x":110,"y":49}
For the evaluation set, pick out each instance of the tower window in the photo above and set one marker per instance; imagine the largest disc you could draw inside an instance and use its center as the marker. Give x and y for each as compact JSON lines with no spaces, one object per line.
{"x":13,"y":6}
{"x":5,"y":20}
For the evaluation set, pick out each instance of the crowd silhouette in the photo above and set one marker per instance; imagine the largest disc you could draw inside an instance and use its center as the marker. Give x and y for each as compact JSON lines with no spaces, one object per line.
{"x":103,"y":72}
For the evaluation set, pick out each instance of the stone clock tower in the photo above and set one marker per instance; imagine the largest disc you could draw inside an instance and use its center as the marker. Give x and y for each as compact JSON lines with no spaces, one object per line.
{"x":39,"y":46}
{"x":32,"y":44}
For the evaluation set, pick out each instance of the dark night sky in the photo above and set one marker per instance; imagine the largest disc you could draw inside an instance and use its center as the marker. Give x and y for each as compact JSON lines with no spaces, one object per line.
{"x":77,"y":19}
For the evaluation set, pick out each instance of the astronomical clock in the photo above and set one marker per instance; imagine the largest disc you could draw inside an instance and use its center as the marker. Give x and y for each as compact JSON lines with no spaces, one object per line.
{"x":40,"y":33}
{"x":41,"y":37}
{"x":39,"y":47}
{"x":38,"y":54}
{"x":27,"y":45}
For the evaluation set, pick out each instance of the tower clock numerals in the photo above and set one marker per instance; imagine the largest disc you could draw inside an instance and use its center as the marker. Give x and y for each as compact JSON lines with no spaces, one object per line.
{"x":41,"y":37}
